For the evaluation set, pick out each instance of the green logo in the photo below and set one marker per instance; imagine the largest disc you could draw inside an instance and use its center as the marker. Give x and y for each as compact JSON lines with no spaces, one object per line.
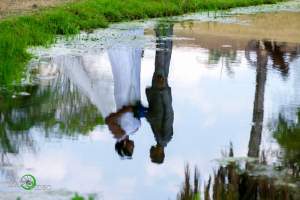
{"x":28,"y":182}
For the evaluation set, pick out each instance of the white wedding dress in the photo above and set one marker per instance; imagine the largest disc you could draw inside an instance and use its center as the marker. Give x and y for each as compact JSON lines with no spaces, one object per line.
{"x":126,"y":67}
{"x":110,"y":80}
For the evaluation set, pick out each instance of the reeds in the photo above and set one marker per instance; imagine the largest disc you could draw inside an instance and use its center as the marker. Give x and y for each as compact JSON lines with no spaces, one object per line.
{"x":230,"y":182}
{"x":190,"y":191}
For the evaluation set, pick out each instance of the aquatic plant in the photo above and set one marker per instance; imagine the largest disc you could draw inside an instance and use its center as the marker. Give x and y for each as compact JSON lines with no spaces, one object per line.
{"x":230,"y":183}
{"x":190,"y":191}
{"x":236,"y":181}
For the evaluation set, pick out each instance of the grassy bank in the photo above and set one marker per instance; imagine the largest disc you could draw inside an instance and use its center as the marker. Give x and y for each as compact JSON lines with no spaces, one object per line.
{"x":19,"y":33}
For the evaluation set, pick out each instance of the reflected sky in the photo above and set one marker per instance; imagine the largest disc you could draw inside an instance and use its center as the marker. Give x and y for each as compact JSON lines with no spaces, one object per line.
{"x":213,"y":91}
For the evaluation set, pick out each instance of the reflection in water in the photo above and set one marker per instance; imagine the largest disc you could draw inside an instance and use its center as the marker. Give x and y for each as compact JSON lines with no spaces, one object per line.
{"x":258,"y":110}
{"x":75,"y":93}
{"x":160,"y":114}
{"x":277,"y":54}
{"x":190,"y":191}
{"x":56,"y":103}
{"x":233,"y":181}
{"x":126,"y":67}
{"x":58,"y":106}
{"x":113,"y":91}
{"x":248,"y":179}
{"x":55,"y":109}
{"x":226,"y":55}
{"x":280,"y":54}
{"x":287,"y":135}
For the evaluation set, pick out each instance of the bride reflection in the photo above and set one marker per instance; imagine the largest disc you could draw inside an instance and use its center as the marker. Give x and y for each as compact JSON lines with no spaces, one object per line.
{"x":126,"y":67}
{"x":114,"y":91}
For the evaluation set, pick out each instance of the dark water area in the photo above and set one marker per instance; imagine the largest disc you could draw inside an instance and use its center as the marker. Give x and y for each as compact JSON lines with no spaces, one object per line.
{"x":118,"y":113}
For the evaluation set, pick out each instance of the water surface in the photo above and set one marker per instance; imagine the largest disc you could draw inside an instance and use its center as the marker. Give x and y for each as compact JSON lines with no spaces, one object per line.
{"x":226,"y":79}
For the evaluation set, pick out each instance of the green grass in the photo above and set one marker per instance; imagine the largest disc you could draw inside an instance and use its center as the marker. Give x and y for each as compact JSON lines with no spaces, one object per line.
{"x":41,"y":28}
{"x":78,"y":197}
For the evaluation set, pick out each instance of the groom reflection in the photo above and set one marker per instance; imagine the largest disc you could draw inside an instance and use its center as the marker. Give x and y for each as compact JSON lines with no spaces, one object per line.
{"x":160,"y":113}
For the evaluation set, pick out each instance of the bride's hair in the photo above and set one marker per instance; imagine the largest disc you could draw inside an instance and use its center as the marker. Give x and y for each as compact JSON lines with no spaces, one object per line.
{"x":122,"y":150}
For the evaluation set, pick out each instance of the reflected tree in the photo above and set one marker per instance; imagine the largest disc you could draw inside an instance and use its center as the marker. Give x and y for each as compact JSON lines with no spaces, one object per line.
{"x":225,"y":55}
{"x":251,"y":181}
{"x":56,"y":108}
{"x":280,"y":54}
{"x":254,"y":180}
{"x":277,"y":53}
{"x":258,"y":110}
{"x":287,"y":135}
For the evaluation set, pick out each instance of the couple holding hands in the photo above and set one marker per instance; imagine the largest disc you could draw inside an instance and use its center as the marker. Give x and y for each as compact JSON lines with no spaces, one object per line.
{"x":116,"y":91}
{"x":126,"y":64}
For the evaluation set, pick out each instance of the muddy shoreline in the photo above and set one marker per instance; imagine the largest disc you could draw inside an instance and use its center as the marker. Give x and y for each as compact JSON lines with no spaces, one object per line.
{"x":17,"y":7}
